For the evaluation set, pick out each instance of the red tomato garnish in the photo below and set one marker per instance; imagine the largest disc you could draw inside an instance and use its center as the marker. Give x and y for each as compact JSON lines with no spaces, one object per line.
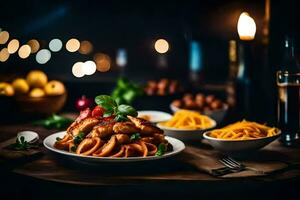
{"x":98,"y":112}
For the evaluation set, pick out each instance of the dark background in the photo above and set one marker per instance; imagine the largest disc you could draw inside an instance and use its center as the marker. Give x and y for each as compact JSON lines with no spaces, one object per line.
{"x":135,"y":25}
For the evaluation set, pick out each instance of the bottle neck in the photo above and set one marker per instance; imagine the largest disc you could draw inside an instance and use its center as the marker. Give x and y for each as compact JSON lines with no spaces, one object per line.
{"x":289,"y":62}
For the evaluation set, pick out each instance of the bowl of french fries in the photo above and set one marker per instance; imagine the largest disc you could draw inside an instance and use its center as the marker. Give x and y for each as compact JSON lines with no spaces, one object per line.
{"x":241,"y":136}
{"x":187,"y":125}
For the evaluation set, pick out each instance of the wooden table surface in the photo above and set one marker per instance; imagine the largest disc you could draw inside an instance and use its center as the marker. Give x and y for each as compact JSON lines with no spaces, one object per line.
{"x":50,"y":167}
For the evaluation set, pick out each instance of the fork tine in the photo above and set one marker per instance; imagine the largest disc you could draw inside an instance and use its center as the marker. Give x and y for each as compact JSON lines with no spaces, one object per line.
{"x":230,"y":163}
{"x":234,"y":161}
{"x":226,"y":163}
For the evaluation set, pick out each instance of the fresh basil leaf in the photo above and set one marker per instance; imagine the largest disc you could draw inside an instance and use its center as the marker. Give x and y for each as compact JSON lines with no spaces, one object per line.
{"x":105,"y":101}
{"x":135,"y":136}
{"x":78,"y":138}
{"x":73,"y":148}
{"x":127,"y":110}
{"x":161,"y":150}
{"x":58,"y":138}
{"x":121,"y":118}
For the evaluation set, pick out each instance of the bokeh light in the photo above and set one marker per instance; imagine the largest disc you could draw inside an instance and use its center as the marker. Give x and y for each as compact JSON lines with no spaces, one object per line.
{"x":4,"y":55}
{"x":86,"y":47}
{"x":103,"y":62}
{"x":89,"y":67}
{"x":24,"y":51}
{"x":77,"y":69}
{"x":121,"y":58}
{"x":161,"y":46}
{"x":13,"y":46}
{"x":73,"y":45}
{"x":43,"y":56}
{"x":55,"y":45}
{"x":4,"y":36}
{"x":34,"y":44}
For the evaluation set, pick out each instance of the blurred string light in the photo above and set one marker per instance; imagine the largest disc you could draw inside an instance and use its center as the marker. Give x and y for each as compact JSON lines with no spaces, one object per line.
{"x":43,"y":56}
{"x":73,"y":45}
{"x":4,"y":55}
{"x":161,"y":46}
{"x":89,"y":67}
{"x":121,"y":58}
{"x":13,"y":46}
{"x":55,"y":45}
{"x":4,"y":36}
{"x":103,"y":62}
{"x":34,"y":45}
{"x":24,"y":51}
{"x":246,"y":27}
{"x":86,"y":47}
{"x":77,"y":69}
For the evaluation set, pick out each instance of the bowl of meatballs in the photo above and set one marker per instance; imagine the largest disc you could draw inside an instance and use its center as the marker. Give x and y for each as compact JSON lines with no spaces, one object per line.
{"x":208,"y":105}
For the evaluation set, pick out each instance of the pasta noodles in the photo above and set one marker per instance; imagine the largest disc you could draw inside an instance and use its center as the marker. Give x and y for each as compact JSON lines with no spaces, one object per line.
{"x":187,"y":119}
{"x":244,"y":130}
{"x":108,"y":138}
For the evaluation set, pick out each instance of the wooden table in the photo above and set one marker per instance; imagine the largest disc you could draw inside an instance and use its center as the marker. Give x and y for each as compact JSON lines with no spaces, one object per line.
{"x":158,"y":179}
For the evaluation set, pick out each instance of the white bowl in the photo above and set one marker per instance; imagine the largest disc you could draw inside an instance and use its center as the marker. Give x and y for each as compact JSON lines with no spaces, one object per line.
{"x":217,"y":115}
{"x":238,"y":146}
{"x":185,"y":134}
{"x":155,"y":115}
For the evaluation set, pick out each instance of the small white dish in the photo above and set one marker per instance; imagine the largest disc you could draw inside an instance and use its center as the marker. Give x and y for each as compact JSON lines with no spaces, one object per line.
{"x":155,"y":116}
{"x":238,"y":146}
{"x":49,"y":141}
{"x":185,"y":134}
{"x":29,"y":136}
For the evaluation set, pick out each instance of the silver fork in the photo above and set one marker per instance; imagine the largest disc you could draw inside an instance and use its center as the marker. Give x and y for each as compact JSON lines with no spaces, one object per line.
{"x":237,"y":166}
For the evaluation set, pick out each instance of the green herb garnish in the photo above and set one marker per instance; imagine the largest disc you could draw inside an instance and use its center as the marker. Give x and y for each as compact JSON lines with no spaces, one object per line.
{"x":78,"y":138}
{"x":135,"y":136}
{"x":162,"y":148}
{"x":58,"y":138}
{"x":21,"y":144}
{"x":73,"y":148}
{"x":112,"y":108}
{"x":54,"y":121}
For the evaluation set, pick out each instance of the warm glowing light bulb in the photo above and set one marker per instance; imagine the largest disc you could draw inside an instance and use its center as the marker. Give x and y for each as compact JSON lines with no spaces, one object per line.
{"x":34,"y":44}
{"x":13,"y":46}
{"x":89,"y":67}
{"x":77,"y":70}
{"x":4,"y":55}
{"x":24,"y":51}
{"x":4,"y":36}
{"x":161,"y":46}
{"x":73,"y":45}
{"x":246,"y":27}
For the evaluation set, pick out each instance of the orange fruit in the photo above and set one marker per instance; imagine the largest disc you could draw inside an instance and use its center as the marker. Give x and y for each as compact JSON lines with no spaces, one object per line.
{"x":6,"y":89}
{"x":54,"y":87}
{"x":20,"y":86}
{"x":37,"y":92}
{"x":37,"y":78}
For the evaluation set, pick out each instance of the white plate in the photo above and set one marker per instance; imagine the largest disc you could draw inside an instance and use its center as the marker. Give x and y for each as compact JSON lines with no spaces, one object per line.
{"x":155,"y":116}
{"x":49,"y":141}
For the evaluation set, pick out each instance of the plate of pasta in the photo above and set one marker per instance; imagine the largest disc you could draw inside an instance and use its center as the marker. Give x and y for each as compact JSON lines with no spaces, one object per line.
{"x":112,"y":133}
{"x":241,"y":136}
{"x":187,"y":125}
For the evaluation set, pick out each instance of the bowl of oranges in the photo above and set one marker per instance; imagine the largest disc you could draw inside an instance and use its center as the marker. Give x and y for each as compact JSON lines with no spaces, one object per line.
{"x":35,"y":93}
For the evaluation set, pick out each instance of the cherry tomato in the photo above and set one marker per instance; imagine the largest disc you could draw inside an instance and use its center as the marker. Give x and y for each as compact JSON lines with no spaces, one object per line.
{"x":98,"y":111}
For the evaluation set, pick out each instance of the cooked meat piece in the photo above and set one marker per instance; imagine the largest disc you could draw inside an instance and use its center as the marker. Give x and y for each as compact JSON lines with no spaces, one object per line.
{"x":145,"y":126}
{"x":122,"y":138}
{"x":125,"y":128}
{"x":84,"y":126}
{"x":103,"y":130}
